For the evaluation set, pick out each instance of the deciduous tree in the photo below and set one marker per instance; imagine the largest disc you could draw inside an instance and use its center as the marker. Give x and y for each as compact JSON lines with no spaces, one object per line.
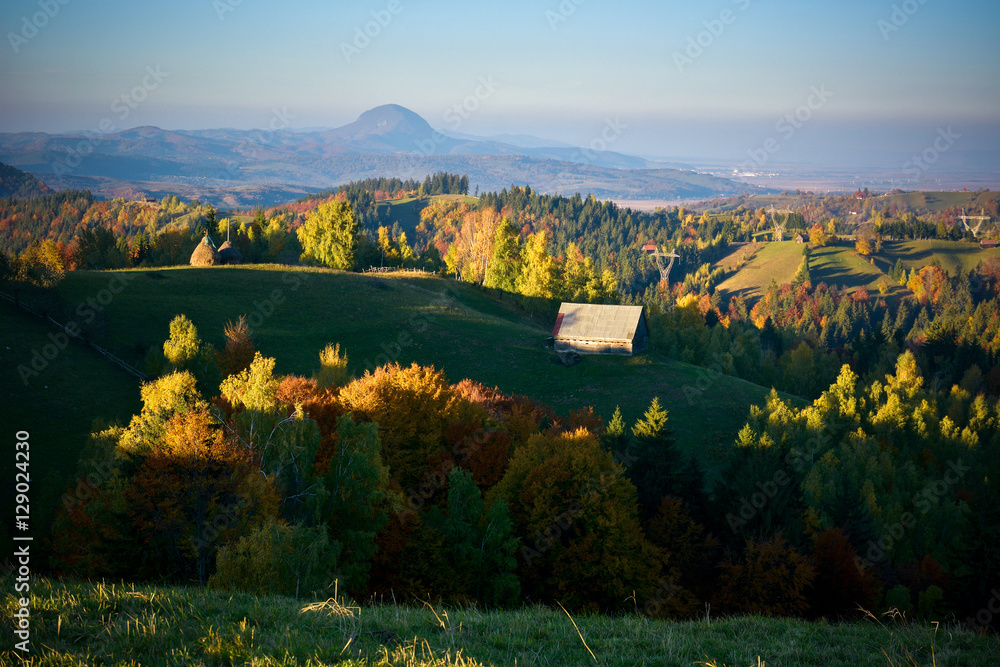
{"x":329,"y":236}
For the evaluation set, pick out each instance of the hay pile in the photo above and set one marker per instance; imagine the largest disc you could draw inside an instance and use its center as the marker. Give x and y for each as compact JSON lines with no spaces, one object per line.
{"x":205,"y":254}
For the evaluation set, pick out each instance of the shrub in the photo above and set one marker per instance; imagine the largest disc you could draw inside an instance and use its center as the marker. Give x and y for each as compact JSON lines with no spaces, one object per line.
{"x":277,"y":559}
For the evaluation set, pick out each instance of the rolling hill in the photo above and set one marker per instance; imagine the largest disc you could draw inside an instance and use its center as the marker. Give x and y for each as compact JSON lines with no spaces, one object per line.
{"x":397,"y":317}
{"x":841,"y":265}
{"x":240,"y":168}
{"x":955,"y":256}
{"x":771,"y":261}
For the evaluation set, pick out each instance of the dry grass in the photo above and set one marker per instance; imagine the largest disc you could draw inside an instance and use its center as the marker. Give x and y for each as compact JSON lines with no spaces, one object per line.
{"x":77,"y":624}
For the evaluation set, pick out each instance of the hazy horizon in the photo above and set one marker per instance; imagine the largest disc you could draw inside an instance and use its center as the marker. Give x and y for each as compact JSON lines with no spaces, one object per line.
{"x":834,"y":84}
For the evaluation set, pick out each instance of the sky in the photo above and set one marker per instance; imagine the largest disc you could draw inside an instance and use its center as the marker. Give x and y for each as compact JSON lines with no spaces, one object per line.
{"x":719,"y":78}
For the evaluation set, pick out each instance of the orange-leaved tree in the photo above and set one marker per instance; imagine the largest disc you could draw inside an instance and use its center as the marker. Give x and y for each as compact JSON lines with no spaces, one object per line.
{"x":412,"y":407}
{"x":771,"y":579}
{"x":193,"y":493}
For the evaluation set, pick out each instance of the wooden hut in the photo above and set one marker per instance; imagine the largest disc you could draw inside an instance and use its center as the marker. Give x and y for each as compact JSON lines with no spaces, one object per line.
{"x":588,"y":328}
{"x":205,"y":254}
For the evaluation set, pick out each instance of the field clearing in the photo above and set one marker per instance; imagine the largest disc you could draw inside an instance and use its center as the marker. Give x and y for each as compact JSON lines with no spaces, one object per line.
{"x":78,"y":624}
{"x":774,"y":261}
{"x":406,"y":211}
{"x":842,"y":266}
{"x":732,"y":260}
{"x":955,"y":256}
{"x":838,"y":266}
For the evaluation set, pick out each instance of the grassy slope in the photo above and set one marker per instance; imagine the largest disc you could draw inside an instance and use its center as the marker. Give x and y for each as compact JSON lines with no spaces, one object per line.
{"x":406,"y":211}
{"x":844,"y":267}
{"x":76,"y":386}
{"x":57,"y":407}
{"x":955,"y":256}
{"x":81,"y":624}
{"x":840,"y":265}
{"x":774,"y":261}
{"x":424,"y":319}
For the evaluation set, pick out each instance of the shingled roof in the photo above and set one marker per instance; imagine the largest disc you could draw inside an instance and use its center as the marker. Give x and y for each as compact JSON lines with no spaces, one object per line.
{"x":597,"y":322}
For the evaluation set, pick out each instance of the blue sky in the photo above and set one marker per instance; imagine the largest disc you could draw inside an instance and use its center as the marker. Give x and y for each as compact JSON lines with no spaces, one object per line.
{"x":558,"y":68}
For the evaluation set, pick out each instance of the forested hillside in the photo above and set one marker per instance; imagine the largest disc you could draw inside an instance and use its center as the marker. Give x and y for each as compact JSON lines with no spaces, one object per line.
{"x":791,"y":314}
{"x":877,"y":491}
{"x":877,"y":495}
{"x":20,"y":185}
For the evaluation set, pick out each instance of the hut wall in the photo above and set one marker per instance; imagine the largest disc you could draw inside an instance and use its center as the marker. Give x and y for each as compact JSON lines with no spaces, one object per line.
{"x":584,"y":346}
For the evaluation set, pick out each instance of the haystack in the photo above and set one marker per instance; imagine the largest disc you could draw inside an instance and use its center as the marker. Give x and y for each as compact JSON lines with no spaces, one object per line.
{"x":205,"y":254}
{"x":229,"y":254}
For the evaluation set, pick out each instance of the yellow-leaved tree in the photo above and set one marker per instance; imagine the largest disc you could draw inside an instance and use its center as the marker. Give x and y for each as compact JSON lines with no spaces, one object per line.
{"x":329,"y":236}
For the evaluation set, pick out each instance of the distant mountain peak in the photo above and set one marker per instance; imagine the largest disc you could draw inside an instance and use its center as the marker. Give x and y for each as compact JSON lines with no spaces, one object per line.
{"x":393,"y":118}
{"x":389,"y":127}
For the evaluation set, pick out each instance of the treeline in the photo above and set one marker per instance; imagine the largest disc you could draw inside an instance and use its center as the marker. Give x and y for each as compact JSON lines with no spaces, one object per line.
{"x":381,"y":188}
{"x":876,"y":496}
{"x":96,"y":246}
{"x":865,"y":207}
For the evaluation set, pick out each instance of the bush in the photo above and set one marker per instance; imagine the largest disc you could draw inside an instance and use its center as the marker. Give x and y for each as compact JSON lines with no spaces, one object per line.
{"x":278,"y":559}
{"x":333,"y":367}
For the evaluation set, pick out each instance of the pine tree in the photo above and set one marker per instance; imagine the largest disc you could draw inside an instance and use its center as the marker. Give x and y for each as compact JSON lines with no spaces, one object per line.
{"x":657,"y":468}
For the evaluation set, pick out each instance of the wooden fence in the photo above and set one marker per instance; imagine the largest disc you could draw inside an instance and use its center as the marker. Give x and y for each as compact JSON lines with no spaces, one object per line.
{"x":393,"y":269}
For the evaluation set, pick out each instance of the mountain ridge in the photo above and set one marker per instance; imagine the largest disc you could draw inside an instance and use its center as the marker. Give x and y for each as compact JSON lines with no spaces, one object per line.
{"x":262,"y":167}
